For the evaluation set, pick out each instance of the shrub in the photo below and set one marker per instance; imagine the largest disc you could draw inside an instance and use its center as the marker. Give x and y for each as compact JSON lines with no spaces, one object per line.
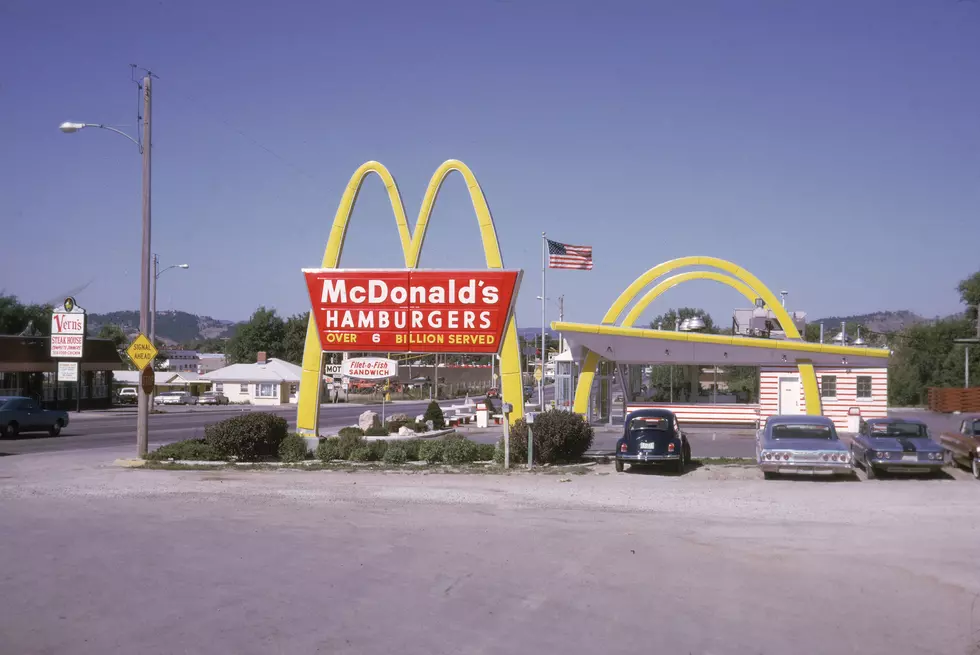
{"x":376,"y":431}
{"x":352,"y":431}
{"x":378,"y":449}
{"x":395,"y":455}
{"x":249,"y":437}
{"x":559,"y":437}
{"x":420,"y":427}
{"x":430,"y":450}
{"x":393,"y":426}
{"x":362,"y":454}
{"x":348,"y":443}
{"x":190,"y":449}
{"x":411,"y":448}
{"x":434,"y":413}
{"x":293,"y":448}
{"x":328,"y":449}
{"x":458,"y":451}
{"x":484,"y":452}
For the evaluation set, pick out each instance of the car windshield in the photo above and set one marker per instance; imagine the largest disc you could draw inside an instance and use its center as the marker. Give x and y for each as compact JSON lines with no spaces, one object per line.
{"x":898,"y":430}
{"x":649,"y":423}
{"x":976,"y":427}
{"x":802,"y":431}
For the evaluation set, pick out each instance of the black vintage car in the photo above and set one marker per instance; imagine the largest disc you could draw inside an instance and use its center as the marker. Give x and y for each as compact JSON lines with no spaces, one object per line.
{"x":652,"y":436}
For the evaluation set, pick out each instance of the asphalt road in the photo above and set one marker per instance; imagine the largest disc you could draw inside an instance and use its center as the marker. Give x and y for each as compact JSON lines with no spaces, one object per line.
{"x":101,"y":560}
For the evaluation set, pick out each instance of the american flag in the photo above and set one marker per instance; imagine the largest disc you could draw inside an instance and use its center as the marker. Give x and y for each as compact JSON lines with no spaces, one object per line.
{"x":562,"y":255}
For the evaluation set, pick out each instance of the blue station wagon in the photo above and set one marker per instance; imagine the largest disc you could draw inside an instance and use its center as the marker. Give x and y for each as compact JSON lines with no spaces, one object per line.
{"x":801,"y":445}
{"x":652,"y":436}
{"x":19,"y":414}
{"x":897,"y":446}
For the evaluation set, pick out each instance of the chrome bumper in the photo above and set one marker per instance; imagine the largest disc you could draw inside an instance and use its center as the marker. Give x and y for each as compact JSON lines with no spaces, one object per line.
{"x":808,"y":468}
{"x":643,"y":457}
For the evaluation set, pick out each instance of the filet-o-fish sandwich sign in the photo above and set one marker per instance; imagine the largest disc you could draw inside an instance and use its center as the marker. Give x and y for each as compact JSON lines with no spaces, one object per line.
{"x":407,"y":310}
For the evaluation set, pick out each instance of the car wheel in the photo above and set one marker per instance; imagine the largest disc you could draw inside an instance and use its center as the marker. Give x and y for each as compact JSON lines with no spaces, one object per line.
{"x":55,"y":429}
{"x":681,"y":466}
{"x":870,"y":469}
{"x":12,"y":429}
{"x":620,"y":467}
{"x":976,"y":468}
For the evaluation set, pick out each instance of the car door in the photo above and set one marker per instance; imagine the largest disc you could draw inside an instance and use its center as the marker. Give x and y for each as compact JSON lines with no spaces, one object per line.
{"x":861,"y":441}
{"x":957,"y":443}
{"x":29,"y":417}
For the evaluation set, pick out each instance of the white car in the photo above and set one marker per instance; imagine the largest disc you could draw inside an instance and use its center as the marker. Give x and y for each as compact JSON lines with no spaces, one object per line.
{"x":176,"y":398}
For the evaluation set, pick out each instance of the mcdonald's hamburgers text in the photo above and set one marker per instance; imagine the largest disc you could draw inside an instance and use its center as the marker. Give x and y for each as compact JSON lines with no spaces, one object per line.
{"x":412,"y":311}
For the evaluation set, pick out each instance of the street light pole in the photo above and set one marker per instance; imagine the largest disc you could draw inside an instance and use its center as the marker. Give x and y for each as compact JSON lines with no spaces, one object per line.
{"x":143,"y":398}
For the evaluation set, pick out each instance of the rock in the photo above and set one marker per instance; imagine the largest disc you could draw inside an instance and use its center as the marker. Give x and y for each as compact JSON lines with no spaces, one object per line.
{"x":429,"y":424}
{"x":405,"y":431}
{"x":368,"y":420}
{"x":420,"y":418}
{"x":400,"y":417}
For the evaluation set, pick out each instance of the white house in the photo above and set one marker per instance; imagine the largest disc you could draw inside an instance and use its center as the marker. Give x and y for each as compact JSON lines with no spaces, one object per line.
{"x":266,"y":382}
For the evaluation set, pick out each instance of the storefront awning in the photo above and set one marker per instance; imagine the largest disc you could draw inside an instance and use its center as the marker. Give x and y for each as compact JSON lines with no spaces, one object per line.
{"x":628,"y":345}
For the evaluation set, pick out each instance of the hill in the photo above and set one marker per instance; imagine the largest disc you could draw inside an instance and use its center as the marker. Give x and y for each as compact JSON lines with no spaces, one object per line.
{"x":172,"y":327}
{"x":882,"y":322}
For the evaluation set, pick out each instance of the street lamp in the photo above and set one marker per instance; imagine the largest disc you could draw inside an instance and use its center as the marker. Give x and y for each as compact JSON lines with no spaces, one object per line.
{"x":156,"y":276}
{"x":145,"y":148}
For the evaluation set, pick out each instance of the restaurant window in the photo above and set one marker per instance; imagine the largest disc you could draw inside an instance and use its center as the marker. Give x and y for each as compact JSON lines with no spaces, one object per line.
{"x":828,"y":386}
{"x":864,"y":387}
{"x":243,"y":387}
{"x":219,"y":387}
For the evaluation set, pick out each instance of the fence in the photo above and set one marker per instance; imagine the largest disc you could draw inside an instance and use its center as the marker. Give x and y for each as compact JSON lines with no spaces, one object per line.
{"x":446,"y":391}
{"x":949,"y":400}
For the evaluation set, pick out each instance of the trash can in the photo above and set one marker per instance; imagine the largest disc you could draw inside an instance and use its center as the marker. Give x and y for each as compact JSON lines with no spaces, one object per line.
{"x":854,"y":420}
{"x":482,"y":415}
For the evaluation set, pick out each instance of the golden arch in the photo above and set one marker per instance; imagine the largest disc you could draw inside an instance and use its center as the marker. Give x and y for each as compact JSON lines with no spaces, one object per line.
{"x":510,"y":365}
{"x":738,"y":278}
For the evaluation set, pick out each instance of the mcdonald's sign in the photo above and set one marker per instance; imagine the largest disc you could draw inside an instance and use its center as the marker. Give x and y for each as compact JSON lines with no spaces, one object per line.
{"x":502,"y":325}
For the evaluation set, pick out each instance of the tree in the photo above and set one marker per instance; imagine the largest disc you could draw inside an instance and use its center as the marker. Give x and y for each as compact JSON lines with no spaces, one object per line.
{"x":294,"y":341}
{"x":16,"y":317}
{"x":115,"y":333}
{"x":669,"y":319}
{"x":264,"y":332}
{"x":970,"y":294}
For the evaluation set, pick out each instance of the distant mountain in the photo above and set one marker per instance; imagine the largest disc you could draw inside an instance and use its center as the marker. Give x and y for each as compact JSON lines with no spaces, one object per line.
{"x":172,"y":326}
{"x":878,"y":321}
{"x":535,"y":333}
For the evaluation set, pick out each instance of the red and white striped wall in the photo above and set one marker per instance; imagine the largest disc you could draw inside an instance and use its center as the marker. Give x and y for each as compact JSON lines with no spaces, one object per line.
{"x":688,"y":413}
{"x":781,"y":391}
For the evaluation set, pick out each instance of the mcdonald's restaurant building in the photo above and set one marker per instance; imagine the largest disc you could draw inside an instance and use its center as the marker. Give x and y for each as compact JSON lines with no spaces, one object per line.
{"x":26,"y":369}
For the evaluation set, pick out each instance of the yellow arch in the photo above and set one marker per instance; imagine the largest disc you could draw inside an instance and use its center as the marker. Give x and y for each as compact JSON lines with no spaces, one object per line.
{"x":738,"y":278}
{"x":411,"y":242}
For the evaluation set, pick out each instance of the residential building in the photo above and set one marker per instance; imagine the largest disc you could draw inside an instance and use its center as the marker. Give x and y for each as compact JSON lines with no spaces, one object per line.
{"x":181,"y":361}
{"x":267,"y":381}
{"x":207,"y":362}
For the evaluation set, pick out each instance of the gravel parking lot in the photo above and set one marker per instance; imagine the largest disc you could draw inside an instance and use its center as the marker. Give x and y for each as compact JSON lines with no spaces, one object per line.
{"x":99,"y":559}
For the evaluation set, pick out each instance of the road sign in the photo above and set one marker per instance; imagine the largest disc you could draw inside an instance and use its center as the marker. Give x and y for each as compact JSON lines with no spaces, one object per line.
{"x":147,"y":378}
{"x":537,"y":374}
{"x":142,"y":352}
{"x":67,"y":331}
{"x":67,"y":371}
{"x":332,"y":369}
{"x":370,"y":367}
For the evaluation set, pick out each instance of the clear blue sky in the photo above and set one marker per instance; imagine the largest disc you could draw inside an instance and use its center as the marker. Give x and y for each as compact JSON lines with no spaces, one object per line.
{"x":831,"y":148}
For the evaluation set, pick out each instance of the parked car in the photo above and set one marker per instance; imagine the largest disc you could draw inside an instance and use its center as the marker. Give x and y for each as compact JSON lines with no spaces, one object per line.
{"x":127,"y":396}
{"x":212,"y":398}
{"x":176,"y":398}
{"x":897,"y":446}
{"x":803,"y":445}
{"x":652,"y":436}
{"x":964,"y":446}
{"x":19,"y":414}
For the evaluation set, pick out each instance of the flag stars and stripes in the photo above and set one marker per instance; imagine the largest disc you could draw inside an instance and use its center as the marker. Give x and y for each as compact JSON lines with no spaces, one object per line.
{"x":563,"y":255}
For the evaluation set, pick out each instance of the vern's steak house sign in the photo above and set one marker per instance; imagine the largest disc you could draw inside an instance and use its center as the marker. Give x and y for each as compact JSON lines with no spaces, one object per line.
{"x":408,"y":310}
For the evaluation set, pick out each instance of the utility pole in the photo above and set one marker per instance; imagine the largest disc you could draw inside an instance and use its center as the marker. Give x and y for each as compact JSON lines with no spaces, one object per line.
{"x":153,"y":312}
{"x":143,"y":398}
{"x":561,"y":318}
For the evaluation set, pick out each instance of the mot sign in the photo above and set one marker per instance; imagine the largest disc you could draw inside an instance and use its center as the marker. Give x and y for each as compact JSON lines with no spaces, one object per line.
{"x":68,"y":331}
{"x":406,"y":310}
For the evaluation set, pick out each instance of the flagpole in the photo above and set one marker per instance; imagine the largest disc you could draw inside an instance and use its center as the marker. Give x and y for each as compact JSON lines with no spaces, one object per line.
{"x":544,"y":319}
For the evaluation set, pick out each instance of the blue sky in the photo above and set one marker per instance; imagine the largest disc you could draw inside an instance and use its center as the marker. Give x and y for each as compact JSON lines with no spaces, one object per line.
{"x":831,"y":148}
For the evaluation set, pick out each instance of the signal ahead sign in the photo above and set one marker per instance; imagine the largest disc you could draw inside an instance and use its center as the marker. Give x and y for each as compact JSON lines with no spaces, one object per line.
{"x":142,"y":352}
{"x":68,"y":331}
{"x":406,"y":310}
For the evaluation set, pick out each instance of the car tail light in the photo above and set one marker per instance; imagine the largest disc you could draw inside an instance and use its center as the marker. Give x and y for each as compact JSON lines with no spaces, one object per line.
{"x":826,"y":457}
{"x":622,"y":448}
{"x":880,"y":455}
{"x":670,"y":448}
{"x":785,"y":455}
{"x":768,"y":455}
{"x":833,"y":457}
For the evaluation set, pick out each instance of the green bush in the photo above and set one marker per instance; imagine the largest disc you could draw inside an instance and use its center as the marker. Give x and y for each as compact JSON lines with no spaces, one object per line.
{"x":411,"y":448}
{"x":362,"y":454}
{"x":434,"y":413}
{"x":458,"y":451}
{"x":378,"y":449}
{"x":420,"y":427}
{"x":328,"y":449}
{"x":249,"y":437}
{"x":352,"y":431}
{"x":395,"y":455}
{"x":559,"y":437}
{"x":293,"y":448}
{"x":190,"y":449}
{"x":393,"y":426}
{"x":376,"y":431}
{"x":348,"y":443}
{"x":484,"y":452}
{"x":430,"y":450}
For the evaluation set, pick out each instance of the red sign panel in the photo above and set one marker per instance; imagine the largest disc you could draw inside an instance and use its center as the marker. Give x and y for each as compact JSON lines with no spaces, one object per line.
{"x":412,"y":311}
